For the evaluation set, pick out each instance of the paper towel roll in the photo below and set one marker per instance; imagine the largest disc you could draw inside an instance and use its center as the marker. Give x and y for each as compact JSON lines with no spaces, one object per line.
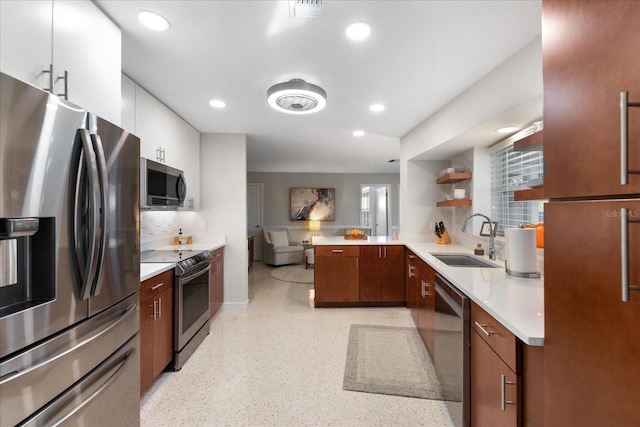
{"x":521,"y":251}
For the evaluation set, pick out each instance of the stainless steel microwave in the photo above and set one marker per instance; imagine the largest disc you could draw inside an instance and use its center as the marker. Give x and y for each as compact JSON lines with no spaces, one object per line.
{"x":161,"y":186}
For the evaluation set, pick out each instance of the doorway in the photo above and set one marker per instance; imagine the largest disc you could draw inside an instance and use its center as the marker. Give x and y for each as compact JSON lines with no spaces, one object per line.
{"x":374,"y":208}
{"x":254,"y":216}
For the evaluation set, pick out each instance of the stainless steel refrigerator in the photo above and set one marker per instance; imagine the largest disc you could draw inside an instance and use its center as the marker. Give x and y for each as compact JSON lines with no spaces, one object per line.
{"x":69,"y":263}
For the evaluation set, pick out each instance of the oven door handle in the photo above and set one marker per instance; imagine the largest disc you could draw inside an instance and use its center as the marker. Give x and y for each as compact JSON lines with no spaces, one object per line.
{"x":185,"y":279}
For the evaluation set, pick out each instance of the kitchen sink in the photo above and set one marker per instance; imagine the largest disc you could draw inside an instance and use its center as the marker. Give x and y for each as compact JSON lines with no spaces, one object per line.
{"x":462,"y":260}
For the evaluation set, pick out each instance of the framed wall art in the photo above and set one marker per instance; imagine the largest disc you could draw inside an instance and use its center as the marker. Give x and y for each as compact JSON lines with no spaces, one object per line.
{"x":313,"y":204}
{"x":487,"y":230}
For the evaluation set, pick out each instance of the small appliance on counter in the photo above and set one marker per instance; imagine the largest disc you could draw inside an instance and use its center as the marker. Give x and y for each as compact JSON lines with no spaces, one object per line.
{"x":521,"y":258}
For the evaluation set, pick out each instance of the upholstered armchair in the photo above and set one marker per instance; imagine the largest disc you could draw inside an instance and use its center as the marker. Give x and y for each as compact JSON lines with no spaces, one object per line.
{"x":279,"y":249}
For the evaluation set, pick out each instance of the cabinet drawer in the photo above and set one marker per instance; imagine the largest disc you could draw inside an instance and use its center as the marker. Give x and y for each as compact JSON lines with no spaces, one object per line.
{"x":337,"y":250}
{"x":151,"y":287}
{"x":217,"y":253}
{"x":499,"y":338}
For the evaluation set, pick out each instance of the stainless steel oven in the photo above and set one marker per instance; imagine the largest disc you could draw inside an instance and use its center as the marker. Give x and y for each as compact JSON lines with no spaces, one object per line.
{"x":191,"y":317}
{"x":452,"y":349}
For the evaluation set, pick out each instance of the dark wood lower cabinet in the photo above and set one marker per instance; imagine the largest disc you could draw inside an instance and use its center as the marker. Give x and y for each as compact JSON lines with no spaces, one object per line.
{"x":216,"y":281}
{"x":496,"y":391}
{"x":156,"y":327}
{"x":336,"y":274}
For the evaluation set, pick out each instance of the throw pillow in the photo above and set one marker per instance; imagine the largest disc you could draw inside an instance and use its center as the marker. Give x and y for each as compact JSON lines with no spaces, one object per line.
{"x":279,"y":238}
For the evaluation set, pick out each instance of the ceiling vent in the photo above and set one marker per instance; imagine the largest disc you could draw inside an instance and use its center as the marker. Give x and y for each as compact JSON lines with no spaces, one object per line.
{"x":296,"y":97}
{"x":305,"y":8}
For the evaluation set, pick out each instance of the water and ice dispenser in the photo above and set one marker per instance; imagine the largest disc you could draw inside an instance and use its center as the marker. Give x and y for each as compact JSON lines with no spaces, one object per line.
{"x":27,"y":266}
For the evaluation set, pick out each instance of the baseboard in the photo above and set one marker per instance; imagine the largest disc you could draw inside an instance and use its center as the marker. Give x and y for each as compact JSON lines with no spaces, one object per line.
{"x":235,"y":305}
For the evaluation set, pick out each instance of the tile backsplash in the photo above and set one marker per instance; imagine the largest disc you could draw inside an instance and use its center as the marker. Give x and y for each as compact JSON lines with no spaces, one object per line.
{"x":157,"y":228}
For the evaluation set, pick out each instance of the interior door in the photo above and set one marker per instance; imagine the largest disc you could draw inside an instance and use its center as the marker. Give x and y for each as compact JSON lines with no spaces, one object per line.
{"x":254,"y":216}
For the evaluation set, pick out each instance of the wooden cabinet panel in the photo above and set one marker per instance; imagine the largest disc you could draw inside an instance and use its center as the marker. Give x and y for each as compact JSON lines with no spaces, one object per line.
{"x":163,"y":332}
{"x":216,"y":281}
{"x":499,"y":338}
{"x":336,"y":278}
{"x":371,"y":273}
{"x":590,"y":55}
{"x":489,"y":377}
{"x":156,"y":327}
{"x":413,"y":284}
{"x":592,"y":343}
{"x":393,"y":289}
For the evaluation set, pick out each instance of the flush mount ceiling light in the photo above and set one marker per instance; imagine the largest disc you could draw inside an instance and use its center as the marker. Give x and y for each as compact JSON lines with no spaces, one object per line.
{"x":358,"y":133}
{"x":358,"y":31}
{"x":507,"y":129}
{"x":153,"y":21}
{"x":297,"y":97}
{"x":217,"y":103}
{"x":376,"y":108}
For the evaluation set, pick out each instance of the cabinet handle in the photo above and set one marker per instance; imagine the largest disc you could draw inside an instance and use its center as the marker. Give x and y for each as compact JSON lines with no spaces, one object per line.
{"x":624,"y":253}
{"x":357,"y":264}
{"x":153,"y":288}
{"x":412,"y":256}
{"x":337,"y":251}
{"x":410,"y":274}
{"x":503,"y":385}
{"x":159,"y":308}
{"x":624,"y":136}
{"x":50,"y":72}
{"x":385,"y":251}
{"x":379,"y":252}
{"x":65,"y":77}
{"x":154,"y":310}
{"x":482,"y":328}
{"x":423,"y":289}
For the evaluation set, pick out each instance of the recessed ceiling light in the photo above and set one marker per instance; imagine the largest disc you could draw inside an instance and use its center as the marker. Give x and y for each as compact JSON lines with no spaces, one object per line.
{"x":376,"y":108}
{"x":358,"y":31}
{"x":153,"y":21}
{"x":296,"y":97}
{"x":507,"y":129}
{"x":358,"y":133}
{"x":217,"y":103}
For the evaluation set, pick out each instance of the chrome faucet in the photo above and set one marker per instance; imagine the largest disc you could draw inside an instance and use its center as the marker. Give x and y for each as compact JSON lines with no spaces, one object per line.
{"x":492,"y":247}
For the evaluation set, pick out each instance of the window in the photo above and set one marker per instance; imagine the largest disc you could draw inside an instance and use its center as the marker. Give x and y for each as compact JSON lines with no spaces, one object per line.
{"x":510,"y":171}
{"x":364,"y":207}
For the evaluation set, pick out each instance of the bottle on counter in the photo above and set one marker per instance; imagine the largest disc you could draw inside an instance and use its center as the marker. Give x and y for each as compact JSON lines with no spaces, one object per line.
{"x":479,"y":250}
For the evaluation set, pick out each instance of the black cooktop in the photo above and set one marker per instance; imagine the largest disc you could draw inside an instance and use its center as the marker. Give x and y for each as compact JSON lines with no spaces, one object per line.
{"x":172,"y":256}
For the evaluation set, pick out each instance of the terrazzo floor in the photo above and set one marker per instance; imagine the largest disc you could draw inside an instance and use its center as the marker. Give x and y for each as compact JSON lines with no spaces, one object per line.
{"x":280,"y":363}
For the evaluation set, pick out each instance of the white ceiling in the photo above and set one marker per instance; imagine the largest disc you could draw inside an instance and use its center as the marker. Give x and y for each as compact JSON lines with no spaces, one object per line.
{"x":420,"y":55}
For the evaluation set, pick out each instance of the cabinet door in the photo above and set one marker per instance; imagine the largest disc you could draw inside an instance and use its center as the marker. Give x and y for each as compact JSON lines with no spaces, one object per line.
{"x":490,"y":376}
{"x":592,"y":340}
{"x":87,"y":45}
{"x":371,"y":273}
{"x":426,"y":311}
{"x":393,"y":289}
{"x":187,"y":158}
{"x":146,"y":344}
{"x":155,"y":126}
{"x":413,"y":284}
{"x":590,"y":55}
{"x":25,"y":40}
{"x":336,"y":279}
{"x":216,"y":280}
{"x":163,"y":331}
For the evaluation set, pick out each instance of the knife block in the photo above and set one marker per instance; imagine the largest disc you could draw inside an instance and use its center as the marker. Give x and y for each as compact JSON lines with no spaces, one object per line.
{"x":444,"y":238}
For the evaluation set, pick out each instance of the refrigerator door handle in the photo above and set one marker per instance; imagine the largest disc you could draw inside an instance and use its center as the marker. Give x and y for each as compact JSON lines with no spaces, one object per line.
{"x":52,"y":420}
{"x":103,"y":181}
{"x":83,"y":246}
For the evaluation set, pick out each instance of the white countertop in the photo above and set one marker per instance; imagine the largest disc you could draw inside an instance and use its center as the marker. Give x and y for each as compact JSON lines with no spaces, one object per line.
{"x":340,"y":240}
{"x":150,"y":269}
{"x":517,"y":303}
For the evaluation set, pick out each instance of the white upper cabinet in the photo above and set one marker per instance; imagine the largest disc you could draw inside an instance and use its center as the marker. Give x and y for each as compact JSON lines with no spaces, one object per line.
{"x":189,"y":161}
{"x":25,"y":40}
{"x":128,"y":103}
{"x":165,"y":138}
{"x":74,"y":37}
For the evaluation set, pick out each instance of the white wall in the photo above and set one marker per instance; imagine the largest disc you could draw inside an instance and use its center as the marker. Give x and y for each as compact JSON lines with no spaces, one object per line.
{"x":500,"y":91}
{"x":223,"y":193}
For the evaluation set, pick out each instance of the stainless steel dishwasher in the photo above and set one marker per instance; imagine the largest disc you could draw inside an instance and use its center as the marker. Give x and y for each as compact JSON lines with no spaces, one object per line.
{"x":452,"y":349}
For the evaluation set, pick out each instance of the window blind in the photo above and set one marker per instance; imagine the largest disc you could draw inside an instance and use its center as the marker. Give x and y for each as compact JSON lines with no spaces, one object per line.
{"x":509,"y":172}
